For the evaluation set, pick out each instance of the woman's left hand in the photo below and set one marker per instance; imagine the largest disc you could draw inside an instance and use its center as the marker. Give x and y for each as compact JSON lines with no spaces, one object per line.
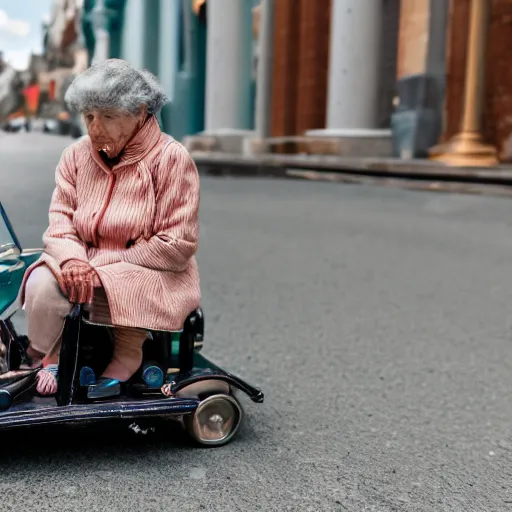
{"x":77,"y":281}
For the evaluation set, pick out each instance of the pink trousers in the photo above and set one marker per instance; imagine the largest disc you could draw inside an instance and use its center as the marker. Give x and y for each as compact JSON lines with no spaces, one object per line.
{"x":46,"y":309}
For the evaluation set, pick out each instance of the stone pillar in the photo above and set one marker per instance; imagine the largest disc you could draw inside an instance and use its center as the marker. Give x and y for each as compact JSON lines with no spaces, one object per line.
{"x":265,"y":63}
{"x":228,"y":77}
{"x":168,"y":62}
{"x":100,"y":17}
{"x":134,"y":33}
{"x":152,"y":24}
{"x":352,"y":104}
{"x":170,"y":17}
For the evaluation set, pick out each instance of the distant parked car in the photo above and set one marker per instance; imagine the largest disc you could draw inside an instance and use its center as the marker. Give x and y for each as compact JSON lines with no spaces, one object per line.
{"x":50,"y":126}
{"x":17,"y":124}
{"x":63,"y":125}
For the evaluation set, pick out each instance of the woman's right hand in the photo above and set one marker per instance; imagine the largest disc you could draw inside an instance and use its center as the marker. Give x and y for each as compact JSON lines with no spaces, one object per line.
{"x":77,"y":281}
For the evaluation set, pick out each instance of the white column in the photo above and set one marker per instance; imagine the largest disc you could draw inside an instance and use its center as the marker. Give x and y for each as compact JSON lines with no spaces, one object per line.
{"x":134,"y":33}
{"x":227,"y":81}
{"x":352,"y":104}
{"x":101,"y":33}
{"x":265,"y":61}
{"x":169,"y":43}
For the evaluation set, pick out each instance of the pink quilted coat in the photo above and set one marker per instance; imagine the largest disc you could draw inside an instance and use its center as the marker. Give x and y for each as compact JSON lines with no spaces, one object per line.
{"x":136,"y":224}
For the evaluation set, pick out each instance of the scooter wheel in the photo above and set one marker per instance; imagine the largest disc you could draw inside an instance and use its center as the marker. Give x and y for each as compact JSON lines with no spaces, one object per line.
{"x":215,"y":421}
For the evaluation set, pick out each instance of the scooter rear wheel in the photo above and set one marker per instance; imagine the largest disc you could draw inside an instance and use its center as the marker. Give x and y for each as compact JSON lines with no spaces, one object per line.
{"x":215,"y":421}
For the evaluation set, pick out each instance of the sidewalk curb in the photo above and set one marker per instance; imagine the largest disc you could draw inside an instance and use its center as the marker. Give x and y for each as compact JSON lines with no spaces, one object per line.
{"x":276,"y":165}
{"x":472,"y":181}
{"x":453,"y":187}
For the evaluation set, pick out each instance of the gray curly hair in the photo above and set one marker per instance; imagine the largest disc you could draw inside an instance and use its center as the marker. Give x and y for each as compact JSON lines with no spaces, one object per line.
{"x":114,"y":84}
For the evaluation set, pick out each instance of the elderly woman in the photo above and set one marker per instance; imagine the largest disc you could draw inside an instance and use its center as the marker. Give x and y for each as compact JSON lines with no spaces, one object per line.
{"x":123,"y":227}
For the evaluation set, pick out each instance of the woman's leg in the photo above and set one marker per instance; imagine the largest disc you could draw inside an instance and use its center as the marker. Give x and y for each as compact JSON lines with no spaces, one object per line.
{"x":128,"y":342}
{"x":127,"y":356}
{"x":46,"y":308}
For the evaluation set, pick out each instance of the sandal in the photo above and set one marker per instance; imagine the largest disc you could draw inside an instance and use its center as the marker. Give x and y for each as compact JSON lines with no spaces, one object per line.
{"x":104,"y":388}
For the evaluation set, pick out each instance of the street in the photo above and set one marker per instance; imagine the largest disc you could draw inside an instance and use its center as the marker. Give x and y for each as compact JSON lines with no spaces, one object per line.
{"x":376,"y":320}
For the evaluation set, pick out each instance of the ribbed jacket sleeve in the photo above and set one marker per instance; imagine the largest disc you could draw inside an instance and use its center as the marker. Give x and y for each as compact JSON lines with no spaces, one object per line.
{"x":60,"y":239}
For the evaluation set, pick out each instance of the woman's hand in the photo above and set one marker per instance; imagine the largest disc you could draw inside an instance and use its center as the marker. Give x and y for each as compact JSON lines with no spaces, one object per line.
{"x":77,"y":281}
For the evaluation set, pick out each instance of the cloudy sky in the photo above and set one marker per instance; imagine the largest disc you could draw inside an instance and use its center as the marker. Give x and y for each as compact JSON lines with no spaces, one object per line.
{"x":20,"y":29}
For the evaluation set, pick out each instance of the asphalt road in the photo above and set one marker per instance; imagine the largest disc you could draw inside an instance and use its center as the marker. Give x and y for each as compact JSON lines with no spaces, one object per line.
{"x":377,"y":321}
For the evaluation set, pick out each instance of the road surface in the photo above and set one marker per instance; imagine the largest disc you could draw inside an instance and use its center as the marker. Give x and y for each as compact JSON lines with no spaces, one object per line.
{"x":377,"y":321}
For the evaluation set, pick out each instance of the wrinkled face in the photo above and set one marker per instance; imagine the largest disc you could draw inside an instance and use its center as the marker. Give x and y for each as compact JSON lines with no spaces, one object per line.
{"x":111,"y":130}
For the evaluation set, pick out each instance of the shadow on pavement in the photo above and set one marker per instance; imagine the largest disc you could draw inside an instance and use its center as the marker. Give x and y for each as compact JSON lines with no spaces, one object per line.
{"x":97,"y":441}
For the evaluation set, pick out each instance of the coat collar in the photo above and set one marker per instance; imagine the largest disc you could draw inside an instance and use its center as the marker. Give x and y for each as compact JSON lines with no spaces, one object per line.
{"x":137,"y":149}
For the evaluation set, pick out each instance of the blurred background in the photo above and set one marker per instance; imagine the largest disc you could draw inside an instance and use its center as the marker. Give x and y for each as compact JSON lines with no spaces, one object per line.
{"x":377,"y":319}
{"x":377,"y":79}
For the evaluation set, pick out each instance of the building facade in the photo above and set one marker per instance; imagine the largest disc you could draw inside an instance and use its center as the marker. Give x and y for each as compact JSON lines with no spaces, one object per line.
{"x":64,"y":55}
{"x":10,"y":89}
{"x":409,"y":78}
{"x":364,"y":78}
{"x":169,"y":39}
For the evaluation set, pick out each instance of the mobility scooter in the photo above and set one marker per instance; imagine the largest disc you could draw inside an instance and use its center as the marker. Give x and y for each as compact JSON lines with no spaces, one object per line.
{"x":175,"y":379}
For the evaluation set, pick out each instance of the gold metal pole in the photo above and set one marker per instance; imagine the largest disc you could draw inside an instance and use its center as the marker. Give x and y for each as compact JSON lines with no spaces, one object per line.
{"x":467,"y":148}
